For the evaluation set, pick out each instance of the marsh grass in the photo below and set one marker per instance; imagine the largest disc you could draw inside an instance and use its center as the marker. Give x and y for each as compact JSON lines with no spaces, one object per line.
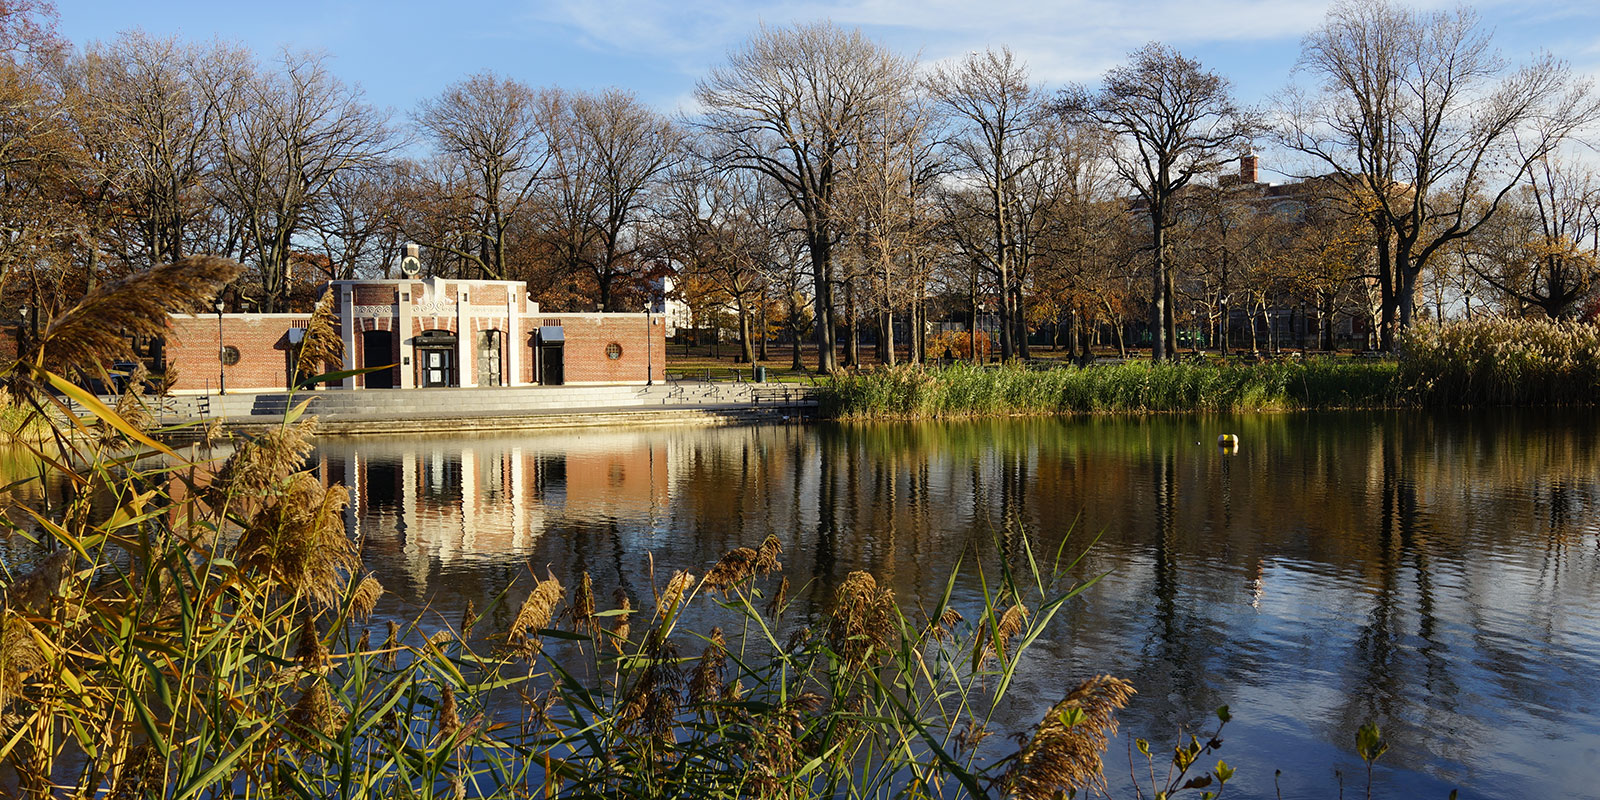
{"x":1487,"y":362}
{"x":1502,"y":362}
{"x":965,"y":390}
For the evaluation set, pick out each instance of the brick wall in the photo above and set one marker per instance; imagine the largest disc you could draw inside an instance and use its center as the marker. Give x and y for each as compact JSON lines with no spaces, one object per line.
{"x":262,"y":341}
{"x":374,"y":295}
{"x":587,"y":338}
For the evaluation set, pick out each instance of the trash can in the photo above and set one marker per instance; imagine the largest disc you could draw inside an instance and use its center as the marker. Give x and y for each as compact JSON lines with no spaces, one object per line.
{"x":760,"y":374}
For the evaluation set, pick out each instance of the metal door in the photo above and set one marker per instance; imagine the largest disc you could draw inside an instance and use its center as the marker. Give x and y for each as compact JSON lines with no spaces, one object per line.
{"x":489,"y":358}
{"x":438,"y":367}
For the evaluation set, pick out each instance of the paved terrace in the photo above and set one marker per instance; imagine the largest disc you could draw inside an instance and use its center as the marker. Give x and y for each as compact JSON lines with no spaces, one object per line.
{"x":408,"y":411}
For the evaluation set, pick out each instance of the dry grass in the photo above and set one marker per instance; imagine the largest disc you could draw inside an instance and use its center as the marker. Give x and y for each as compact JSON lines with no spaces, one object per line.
{"x":863,"y":619}
{"x":99,"y":328}
{"x":1064,"y":754}
{"x":297,"y":539}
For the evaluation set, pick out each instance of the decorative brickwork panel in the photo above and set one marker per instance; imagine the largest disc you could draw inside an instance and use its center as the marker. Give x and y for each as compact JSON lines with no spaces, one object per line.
{"x":375,"y":295}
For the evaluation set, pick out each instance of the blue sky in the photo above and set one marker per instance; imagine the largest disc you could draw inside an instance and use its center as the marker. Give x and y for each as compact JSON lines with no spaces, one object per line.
{"x":402,"y":51}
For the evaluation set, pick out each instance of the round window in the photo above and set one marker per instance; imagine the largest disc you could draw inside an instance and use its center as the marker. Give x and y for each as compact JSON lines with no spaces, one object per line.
{"x":613,"y":351}
{"x":229,"y":355}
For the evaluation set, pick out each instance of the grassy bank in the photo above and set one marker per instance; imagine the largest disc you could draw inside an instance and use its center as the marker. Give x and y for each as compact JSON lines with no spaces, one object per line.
{"x":964,"y":390}
{"x":1481,"y":363}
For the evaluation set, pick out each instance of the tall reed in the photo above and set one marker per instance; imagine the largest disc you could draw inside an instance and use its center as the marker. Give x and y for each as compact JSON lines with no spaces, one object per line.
{"x":1501,"y":362}
{"x":965,"y":390}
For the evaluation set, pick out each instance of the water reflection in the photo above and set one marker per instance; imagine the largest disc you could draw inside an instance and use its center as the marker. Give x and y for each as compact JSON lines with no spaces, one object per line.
{"x":1440,"y":575}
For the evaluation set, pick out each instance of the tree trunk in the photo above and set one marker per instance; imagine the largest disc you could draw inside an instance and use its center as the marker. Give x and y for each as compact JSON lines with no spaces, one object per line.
{"x":1021,"y":322}
{"x":1172,"y":316}
{"x":1158,"y":297}
{"x":763,"y":354}
{"x":746,"y":346}
{"x":886,"y":338}
{"x":852,"y":354}
{"x":822,"y":274}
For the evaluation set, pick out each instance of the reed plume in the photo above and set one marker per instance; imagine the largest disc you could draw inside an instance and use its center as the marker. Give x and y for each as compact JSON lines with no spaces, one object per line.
{"x":620,"y":630}
{"x":705,"y":685}
{"x":310,"y":653}
{"x":365,"y":598}
{"x":1064,"y":752}
{"x":258,"y":466}
{"x":651,"y":703}
{"x":391,"y":645}
{"x":779,"y":598}
{"x":20,"y":655}
{"x":322,"y":345}
{"x":862,"y":620}
{"x":469,"y":618}
{"x":945,"y":624}
{"x":1005,"y":629}
{"x":673,"y":594}
{"x":99,"y":329}
{"x":298,"y":540}
{"x":735,"y":567}
{"x":536,"y":612}
{"x":581,"y":609}
{"x":315,"y":713}
{"x":449,"y":714}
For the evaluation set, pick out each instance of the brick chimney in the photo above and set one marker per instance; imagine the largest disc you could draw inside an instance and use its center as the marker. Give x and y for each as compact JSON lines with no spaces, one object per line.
{"x":1247,"y":168}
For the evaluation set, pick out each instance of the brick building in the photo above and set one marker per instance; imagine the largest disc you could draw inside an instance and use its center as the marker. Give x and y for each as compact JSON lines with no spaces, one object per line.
{"x":421,"y":332}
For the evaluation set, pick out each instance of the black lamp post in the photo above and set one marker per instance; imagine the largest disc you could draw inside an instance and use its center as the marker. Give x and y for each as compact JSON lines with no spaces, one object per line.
{"x":222,"y":354}
{"x":649,"y":358}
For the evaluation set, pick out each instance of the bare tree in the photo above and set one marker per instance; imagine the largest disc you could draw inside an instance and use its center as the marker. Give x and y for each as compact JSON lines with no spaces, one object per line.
{"x":1543,"y":248}
{"x":608,"y":152}
{"x":990,"y":145}
{"x":791,"y":104}
{"x":156,"y":139}
{"x":1418,"y":116}
{"x":286,"y":136}
{"x":492,"y":147}
{"x":1175,"y":121}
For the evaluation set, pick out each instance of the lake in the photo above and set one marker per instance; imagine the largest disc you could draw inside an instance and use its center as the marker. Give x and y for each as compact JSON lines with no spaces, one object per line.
{"x":1437,"y":574}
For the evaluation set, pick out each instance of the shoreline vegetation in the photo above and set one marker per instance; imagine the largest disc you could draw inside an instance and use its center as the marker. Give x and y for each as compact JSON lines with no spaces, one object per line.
{"x":1482,"y":363}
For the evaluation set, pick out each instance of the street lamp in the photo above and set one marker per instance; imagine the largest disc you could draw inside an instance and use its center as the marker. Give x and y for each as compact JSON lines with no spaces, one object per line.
{"x":649,"y":358}
{"x":222,"y":353}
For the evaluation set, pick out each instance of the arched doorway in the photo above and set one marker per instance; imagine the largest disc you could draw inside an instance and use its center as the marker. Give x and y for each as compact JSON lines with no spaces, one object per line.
{"x":377,"y":350}
{"x":436,"y":358}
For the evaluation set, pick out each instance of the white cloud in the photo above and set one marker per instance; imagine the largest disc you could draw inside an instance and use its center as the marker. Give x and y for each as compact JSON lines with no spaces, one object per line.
{"x":1061,"y":42}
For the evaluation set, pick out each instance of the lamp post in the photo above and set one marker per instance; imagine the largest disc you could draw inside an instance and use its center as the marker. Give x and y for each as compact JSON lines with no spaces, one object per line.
{"x":649,"y":357}
{"x":222,"y":352}
{"x":24,"y":333}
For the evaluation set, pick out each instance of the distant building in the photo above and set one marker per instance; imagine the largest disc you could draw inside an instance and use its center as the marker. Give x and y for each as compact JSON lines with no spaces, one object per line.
{"x":421,"y":332}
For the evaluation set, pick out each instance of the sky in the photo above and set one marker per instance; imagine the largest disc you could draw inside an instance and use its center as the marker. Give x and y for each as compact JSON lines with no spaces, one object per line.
{"x":402,"y":51}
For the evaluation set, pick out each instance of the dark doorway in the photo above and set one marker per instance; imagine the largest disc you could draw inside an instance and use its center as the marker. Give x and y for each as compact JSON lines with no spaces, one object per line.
{"x":548,"y":354}
{"x":377,"y":350}
{"x":436,"y":358}
{"x":489,"y":358}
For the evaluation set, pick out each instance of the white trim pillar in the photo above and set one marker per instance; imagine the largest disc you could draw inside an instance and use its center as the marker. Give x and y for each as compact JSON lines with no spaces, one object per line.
{"x":511,"y":359}
{"x":347,"y":331}
{"x":466,"y":367}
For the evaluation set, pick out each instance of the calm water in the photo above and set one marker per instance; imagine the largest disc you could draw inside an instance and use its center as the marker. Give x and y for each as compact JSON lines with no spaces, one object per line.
{"x":1440,"y":575}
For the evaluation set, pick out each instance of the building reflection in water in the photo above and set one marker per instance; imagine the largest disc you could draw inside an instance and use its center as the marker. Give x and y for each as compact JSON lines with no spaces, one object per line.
{"x":420,"y":506}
